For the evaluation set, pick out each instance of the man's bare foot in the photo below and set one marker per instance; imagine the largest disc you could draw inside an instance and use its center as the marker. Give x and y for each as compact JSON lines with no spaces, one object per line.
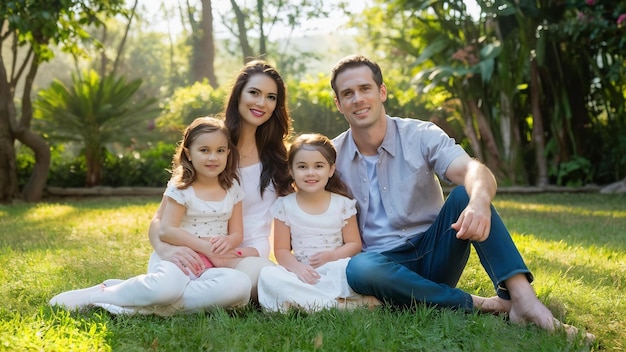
{"x":497,"y":305}
{"x":573,"y":333}
{"x":527,"y":309}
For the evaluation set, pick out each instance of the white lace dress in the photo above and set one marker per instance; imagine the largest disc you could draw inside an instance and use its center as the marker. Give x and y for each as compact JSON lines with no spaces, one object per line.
{"x":279,"y":288}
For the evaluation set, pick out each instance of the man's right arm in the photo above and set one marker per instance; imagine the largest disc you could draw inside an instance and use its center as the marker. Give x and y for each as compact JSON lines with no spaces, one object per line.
{"x":474,"y":223}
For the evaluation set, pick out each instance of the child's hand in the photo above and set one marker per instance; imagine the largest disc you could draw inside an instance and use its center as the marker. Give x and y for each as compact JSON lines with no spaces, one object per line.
{"x":307,"y":273}
{"x":320,"y":258}
{"x":221,"y":244}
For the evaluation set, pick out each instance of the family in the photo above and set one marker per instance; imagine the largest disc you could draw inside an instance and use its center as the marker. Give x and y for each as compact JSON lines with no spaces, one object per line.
{"x":359,"y":220}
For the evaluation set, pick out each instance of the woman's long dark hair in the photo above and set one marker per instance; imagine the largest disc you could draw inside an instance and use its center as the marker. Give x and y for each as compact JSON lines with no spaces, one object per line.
{"x":270,"y":136}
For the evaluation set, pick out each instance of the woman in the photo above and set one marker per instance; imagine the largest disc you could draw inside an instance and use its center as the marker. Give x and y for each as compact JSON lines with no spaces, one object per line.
{"x":258,"y":119}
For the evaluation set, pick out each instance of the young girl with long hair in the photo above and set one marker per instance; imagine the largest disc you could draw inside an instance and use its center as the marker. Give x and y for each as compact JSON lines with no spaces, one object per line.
{"x":315,"y":233}
{"x":203,"y":212}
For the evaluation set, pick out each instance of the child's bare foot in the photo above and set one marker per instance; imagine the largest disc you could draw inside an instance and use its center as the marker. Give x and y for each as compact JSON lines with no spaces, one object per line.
{"x":495,"y":304}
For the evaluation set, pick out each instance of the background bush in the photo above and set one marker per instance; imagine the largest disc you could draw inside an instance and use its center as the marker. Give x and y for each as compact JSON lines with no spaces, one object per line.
{"x":145,"y":168}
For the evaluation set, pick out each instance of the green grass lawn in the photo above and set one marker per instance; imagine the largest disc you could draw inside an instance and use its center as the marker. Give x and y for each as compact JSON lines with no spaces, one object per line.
{"x":574,"y":244}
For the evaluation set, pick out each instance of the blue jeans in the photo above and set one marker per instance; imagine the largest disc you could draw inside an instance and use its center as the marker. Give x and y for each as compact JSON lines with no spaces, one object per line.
{"x":427,"y":268}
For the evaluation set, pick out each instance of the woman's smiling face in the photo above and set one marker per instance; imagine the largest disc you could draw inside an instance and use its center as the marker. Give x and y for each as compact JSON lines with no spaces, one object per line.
{"x":258,"y":100}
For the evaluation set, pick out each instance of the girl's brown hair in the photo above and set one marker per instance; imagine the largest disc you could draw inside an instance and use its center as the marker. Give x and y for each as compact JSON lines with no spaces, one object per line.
{"x":320,"y":143}
{"x":183,"y":173}
{"x":270,"y":136}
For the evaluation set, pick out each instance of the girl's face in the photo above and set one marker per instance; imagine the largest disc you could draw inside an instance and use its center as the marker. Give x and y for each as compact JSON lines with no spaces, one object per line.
{"x":208,"y":154}
{"x":311,"y":171}
{"x":258,"y":100}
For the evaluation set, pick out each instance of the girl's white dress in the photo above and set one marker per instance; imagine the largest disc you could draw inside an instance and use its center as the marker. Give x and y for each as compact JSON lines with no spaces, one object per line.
{"x":279,"y":288}
{"x":165,"y":289}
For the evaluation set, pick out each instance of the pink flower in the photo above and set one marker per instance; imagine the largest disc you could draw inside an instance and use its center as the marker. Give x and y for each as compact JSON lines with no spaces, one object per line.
{"x":621,"y":19}
{"x":590,"y":2}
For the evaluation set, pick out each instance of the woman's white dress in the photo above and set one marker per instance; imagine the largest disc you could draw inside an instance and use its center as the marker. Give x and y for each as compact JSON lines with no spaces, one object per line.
{"x":280,"y":289}
{"x":257,"y":219}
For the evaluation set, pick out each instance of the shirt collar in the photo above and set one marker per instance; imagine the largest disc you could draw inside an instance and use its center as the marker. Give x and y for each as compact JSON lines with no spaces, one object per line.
{"x":389,"y":142}
{"x":353,"y":151}
{"x":388,"y":145}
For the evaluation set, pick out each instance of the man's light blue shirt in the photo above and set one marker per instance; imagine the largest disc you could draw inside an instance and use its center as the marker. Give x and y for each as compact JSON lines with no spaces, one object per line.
{"x":412,"y":154}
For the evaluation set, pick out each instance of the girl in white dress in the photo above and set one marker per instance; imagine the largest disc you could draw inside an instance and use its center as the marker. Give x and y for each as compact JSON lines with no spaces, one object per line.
{"x":204,"y":213}
{"x":315,"y":233}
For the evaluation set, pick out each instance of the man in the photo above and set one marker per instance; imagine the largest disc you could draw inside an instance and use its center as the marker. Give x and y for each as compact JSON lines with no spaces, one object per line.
{"x":416,"y":245}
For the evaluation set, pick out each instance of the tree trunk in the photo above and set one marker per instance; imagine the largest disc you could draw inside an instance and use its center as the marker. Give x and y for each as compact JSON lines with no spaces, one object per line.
{"x":93,"y":159}
{"x":8,"y":168}
{"x":492,"y":155}
{"x":506,"y":114}
{"x":120,"y":48}
{"x":538,"y":130}
{"x":202,"y":61}
{"x":246,"y":50}
{"x":11,"y":130}
{"x":262,"y":40}
{"x":33,"y":190}
{"x":470,"y":133}
{"x":205,"y":47}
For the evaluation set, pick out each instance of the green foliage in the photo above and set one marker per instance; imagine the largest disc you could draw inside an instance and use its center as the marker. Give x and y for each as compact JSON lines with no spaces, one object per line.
{"x":608,"y":150}
{"x":55,"y":22}
{"x":146,"y":168}
{"x":575,"y":172}
{"x":25,"y":161}
{"x":94,"y":111}
{"x":67,"y":172}
{"x":188,"y":103}
{"x":579,"y":46}
{"x":160,"y":67}
{"x":312,"y":106}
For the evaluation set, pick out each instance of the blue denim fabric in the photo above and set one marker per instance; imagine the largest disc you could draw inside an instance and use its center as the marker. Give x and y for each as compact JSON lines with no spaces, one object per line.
{"x":427,"y":268}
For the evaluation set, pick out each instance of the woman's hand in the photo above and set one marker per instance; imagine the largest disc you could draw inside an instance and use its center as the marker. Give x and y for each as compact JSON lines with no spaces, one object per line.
{"x":185,"y":258}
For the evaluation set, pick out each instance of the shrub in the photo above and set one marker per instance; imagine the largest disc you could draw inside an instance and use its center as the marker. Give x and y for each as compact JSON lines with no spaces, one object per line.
{"x":146,"y":168}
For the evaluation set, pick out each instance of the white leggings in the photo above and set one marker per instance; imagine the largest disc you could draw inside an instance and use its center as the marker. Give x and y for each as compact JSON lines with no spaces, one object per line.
{"x":166,"y":290}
